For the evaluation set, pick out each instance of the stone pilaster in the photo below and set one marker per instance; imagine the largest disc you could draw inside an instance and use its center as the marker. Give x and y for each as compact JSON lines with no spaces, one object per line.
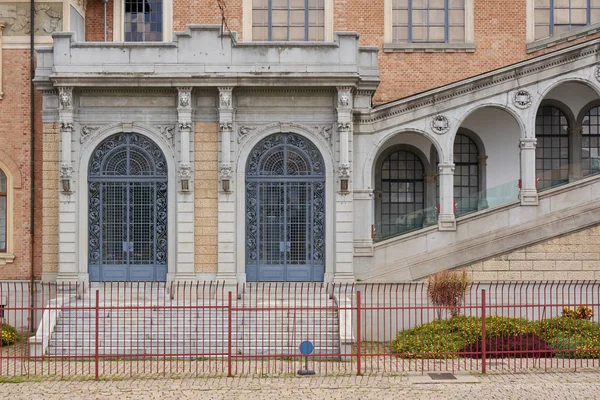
{"x":482,"y":202}
{"x":575,"y":171}
{"x":226,"y":271}
{"x":344,"y":207}
{"x":67,"y":265}
{"x":446,"y":220}
{"x":528,"y":192}
{"x":185,"y":191}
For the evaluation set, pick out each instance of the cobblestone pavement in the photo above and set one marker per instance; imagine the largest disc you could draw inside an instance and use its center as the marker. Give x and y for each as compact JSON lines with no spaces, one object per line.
{"x":547,"y":386}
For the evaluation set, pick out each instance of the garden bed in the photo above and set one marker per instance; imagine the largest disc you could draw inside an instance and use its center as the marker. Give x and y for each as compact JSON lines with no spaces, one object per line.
{"x":506,"y":337}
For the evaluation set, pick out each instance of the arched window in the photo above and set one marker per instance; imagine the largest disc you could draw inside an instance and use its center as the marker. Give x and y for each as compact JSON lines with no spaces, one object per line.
{"x":552,"y":151}
{"x":3,"y":211}
{"x":402,"y":194}
{"x":590,"y":142}
{"x":466,"y":174}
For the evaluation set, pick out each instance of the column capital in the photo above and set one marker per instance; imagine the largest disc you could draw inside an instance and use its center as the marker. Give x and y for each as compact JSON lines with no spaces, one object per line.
{"x":482,"y":159}
{"x":576,"y":131}
{"x":226,"y":126}
{"x":446,"y":168}
{"x":527,"y":143}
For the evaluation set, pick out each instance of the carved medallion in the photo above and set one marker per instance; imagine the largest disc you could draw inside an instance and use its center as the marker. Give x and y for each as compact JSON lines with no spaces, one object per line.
{"x":87,"y":131}
{"x":243,"y":131}
{"x":522,"y":99}
{"x":440,"y":124}
{"x":66,"y":171}
{"x":168,"y":132}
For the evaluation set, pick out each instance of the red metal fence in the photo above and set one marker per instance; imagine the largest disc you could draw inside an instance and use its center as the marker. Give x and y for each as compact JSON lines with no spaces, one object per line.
{"x":208,"y":329}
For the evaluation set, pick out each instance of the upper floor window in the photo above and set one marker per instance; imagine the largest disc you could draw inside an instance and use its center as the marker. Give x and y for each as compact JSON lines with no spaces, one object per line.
{"x":553,"y":17}
{"x":143,"y":20}
{"x":3,"y":211}
{"x":293,"y":20}
{"x":428,"y":21}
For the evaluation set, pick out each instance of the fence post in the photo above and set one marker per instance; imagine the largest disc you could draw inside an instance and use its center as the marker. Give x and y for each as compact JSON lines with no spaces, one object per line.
{"x":229,"y":354}
{"x":358,"y":329}
{"x":97,"y":330}
{"x":483,"y":335}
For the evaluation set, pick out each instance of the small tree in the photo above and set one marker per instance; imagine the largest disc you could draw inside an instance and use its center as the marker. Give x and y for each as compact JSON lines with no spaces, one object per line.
{"x":447,"y":289}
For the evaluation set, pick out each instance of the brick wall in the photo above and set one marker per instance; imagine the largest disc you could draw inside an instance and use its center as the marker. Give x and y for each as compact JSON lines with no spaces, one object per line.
{"x":206,"y":180}
{"x":15,"y":152}
{"x":500,"y":29}
{"x":572,"y":256}
{"x":49,"y":221}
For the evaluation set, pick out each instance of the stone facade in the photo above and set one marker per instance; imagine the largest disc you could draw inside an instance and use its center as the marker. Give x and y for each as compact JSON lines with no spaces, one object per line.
{"x":575,"y":256}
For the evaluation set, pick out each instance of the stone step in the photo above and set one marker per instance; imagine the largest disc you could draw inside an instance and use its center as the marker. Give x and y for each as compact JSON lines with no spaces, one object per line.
{"x":235,"y":334}
{"x":204,"y":343}
{"x":191,"y":352}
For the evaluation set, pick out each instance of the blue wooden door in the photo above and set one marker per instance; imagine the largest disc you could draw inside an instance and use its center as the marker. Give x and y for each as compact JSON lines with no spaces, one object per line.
{"x":285,"y":211}
{"x":127,"y":210}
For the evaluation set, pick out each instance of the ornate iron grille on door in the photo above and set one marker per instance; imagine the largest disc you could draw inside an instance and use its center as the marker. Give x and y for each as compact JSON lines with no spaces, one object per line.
{"x":285,"y":210}
{"x":127,"y":210}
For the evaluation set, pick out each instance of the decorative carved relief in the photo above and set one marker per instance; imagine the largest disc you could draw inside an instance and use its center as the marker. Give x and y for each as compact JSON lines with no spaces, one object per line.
{"x":65,"y":97}
{"x":168,"y":132}
{"x":87,"y":131}
{"x":243,"y":131}
{"x":344,"y":97}
{"x":226,"y":126}
{"x":185,"y":97}
{"x":225,"y":171}
{"x":17,"y":17}
{"x":324,"y":131}
{"x":66,"y":171}
{"x":66,"y":126}
{"x":344,"y":126}
{"x":597,"y":73}
{"x":440,"y":124}
{"x":344,"y":170}
{"x":185,"y":126}
{"x":522,"y":99}
{"x":185,"y":171}
{"x":225,"y":97}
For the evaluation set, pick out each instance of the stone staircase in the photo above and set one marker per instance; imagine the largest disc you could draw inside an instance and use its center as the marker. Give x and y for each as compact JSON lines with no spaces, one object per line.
{"x":266,"y":320}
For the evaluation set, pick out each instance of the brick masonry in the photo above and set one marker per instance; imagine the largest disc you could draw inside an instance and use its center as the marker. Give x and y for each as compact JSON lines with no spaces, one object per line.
{"x":49,"y":221}
{"x":500,"y":29}
{"x":206,"y":146}
{"x":573,"y":256}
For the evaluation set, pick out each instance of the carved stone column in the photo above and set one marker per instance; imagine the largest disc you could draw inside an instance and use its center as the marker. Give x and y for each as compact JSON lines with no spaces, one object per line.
{"x":528,"y":192}
{"x":226,"y":245}
{"x":344,"y":205}
{"x":446,"y":220}
{"x":184,"y":116}
{"x":575,"y":167}
{"x":344,"y":114}
{"x":430,"y":198}
{"x":67,"y":266}
{"x":482,"y":202}
{"x":184,"y":267}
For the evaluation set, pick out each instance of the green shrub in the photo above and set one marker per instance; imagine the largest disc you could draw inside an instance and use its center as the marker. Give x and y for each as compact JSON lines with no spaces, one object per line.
{"x":548,"y":329}
{"x":581,"y":312}
{"x":453,"y":334}
{"x":9,"y":334}
{"x":584,"y":347}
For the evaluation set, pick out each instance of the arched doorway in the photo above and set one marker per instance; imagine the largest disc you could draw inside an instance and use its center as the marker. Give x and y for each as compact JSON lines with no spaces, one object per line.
{"x":127,"y":188}
{"x":285,"y":210}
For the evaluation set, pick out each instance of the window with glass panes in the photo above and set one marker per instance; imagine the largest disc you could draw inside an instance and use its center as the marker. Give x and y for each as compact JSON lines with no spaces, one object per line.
{"x":431,"y":21}
{"x":553,"y":17}
{"x":590,"y":142}
{"x":293,"y":20}
{"x":3,"y":212}
{"x":466,"y":174}
{"x":402,"y":193}
{"x":143,"y":20}
{"x":552,"y":149}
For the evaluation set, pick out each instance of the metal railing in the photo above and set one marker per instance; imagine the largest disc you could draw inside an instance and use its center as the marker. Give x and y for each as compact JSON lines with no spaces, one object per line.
{"x":209,"y":329}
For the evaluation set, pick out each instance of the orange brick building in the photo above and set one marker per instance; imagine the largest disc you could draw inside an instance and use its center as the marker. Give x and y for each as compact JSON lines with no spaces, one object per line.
{"x":460,"y":91}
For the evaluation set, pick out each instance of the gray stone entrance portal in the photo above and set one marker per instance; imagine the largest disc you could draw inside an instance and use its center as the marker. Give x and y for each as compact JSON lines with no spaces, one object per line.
{"x":127,"y":186}
{"x":285,"y":211}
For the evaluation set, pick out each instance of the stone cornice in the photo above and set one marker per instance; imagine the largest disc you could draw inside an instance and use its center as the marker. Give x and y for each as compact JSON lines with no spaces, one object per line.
{"x":503,"y":76}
